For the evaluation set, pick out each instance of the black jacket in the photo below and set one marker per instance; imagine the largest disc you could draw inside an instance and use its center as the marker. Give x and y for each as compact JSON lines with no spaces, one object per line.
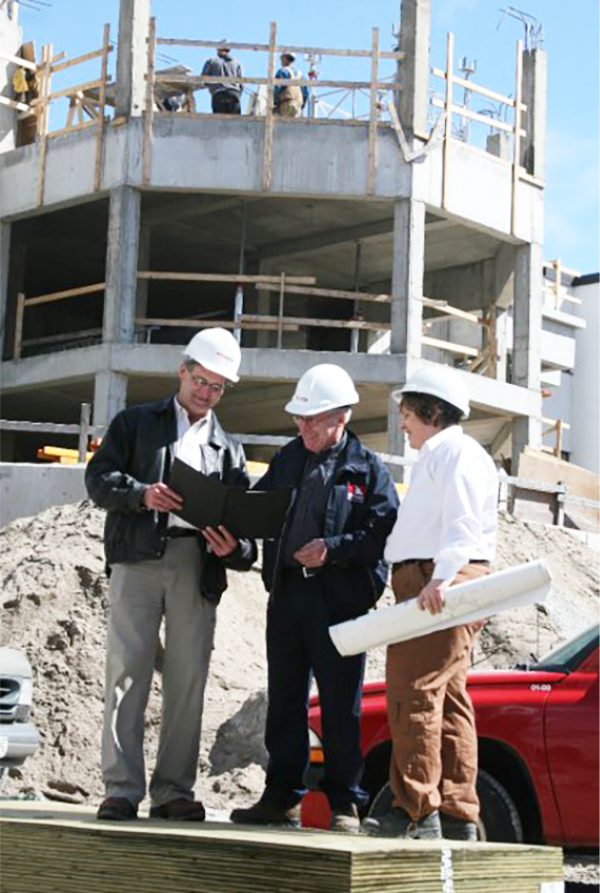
{"x":134,"y":453}
{"x":360,"y":513}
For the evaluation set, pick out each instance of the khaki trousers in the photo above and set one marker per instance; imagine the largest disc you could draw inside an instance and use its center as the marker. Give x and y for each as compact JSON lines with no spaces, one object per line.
{"x":140,"y":594}
{"x":431,"y":719}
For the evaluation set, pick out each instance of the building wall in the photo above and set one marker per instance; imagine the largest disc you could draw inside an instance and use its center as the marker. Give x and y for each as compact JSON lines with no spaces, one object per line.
{"x":585,"y":409}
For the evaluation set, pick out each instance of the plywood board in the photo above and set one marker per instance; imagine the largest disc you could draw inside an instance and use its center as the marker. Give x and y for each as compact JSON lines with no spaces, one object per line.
{"x":65,"y":850}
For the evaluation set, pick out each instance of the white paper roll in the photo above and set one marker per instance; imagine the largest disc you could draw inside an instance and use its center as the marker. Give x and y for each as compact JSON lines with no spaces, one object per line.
{"x":477,"y":599}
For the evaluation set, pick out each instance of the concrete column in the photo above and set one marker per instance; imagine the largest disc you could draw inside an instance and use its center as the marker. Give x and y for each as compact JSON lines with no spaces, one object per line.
{"x":534,"y":87}
{"x":121,"y":265}
{"x":413,"y":70}
{"x":407,"y":278}
{"x":527,"y":331}
{"x":5,"y":230}
{"x":15,"y":283}
{"x":110,"y":395}
{"x":10,"y":41}
{"x":132,"y":57}
{"x":398,"y":442}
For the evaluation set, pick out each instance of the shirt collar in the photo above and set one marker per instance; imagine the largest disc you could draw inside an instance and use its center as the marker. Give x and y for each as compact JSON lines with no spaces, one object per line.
{"x":446,"y":435}
{"x":182,"y":415}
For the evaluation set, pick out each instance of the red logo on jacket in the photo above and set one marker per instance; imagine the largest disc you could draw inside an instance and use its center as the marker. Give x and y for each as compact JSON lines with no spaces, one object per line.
{"x":355,"y":492}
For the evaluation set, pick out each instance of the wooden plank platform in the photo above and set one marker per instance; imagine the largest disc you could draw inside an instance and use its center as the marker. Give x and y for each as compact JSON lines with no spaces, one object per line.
{"x":58,"y":848}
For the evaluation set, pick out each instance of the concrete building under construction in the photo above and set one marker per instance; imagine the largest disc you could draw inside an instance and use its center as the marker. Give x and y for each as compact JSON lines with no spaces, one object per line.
{"x":377,"y":240}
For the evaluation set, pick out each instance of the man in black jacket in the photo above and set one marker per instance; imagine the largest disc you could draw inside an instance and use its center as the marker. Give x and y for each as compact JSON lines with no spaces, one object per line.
{"x":162,"y":567}
{"x":326,"y":567}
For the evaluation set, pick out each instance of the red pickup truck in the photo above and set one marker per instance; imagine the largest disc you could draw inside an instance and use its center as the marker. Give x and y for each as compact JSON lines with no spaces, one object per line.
{"x":538,"y":749}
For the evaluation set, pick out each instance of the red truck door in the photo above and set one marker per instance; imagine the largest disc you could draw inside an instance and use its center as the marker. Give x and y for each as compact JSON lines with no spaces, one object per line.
{"x":571,"y":732}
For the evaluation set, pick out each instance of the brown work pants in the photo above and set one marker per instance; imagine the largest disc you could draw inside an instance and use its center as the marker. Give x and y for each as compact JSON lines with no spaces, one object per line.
{"x":434,"y":742}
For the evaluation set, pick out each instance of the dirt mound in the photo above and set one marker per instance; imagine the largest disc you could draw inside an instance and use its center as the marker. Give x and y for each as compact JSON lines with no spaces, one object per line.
{"x":53,"y":604}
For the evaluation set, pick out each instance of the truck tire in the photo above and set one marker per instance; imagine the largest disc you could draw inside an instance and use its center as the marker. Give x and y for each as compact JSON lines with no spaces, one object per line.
{"x":499,"y":822}
{"x":499,"y":815}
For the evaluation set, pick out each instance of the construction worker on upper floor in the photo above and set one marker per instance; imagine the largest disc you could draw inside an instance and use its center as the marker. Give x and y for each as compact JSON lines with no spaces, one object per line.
{"x":289,"y":100}
{"x":225,"y":97}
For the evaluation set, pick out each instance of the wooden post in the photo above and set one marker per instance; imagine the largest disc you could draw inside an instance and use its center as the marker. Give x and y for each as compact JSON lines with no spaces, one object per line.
{"x":267,"y":171}
{"x":559,"y":438}
{"x":517,"y":136}
{"x":101,"y":108}
{"x":280,"y":312}
{"x":373,"y":120}
{"x":149,"y":111}
{"x":448,"y":119}
{"x":19,"y":326}
{"x":84,"y":431}
{"x":43,"y":120}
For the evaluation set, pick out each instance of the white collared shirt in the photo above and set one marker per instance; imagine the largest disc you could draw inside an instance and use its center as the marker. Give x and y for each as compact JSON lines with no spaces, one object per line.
{"x":449,"y":513}
{"x":188,"y":447}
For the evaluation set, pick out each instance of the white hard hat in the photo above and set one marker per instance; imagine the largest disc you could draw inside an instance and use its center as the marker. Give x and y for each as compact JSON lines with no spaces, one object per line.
{"x":217,"y":350}
{"x":440,"y":381}
{"x":322,"y":388}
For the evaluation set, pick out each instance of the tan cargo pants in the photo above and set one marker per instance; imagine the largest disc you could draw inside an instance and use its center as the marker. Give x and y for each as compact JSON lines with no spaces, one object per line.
{"x":431,"y":719}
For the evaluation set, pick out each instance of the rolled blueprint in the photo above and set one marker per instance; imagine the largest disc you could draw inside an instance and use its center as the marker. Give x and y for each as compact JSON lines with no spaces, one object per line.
{"x":512,"y":587}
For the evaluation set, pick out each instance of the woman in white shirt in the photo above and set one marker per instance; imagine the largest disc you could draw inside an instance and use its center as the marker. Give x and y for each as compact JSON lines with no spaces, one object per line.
{"x":445,"y":533}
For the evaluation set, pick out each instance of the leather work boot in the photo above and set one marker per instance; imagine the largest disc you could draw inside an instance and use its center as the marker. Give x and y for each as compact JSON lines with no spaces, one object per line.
{"x":345,"y":819}
{"x":266,"y":813}
{"x":458,"y":829}
{"x":179,"y":810}
{"x":116,"y":809}
{"x":397,"y":823}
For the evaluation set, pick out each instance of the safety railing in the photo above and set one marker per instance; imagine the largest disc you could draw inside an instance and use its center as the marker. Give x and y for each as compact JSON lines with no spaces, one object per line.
{"x":457,"y":115}
{"x":85,"y":102}
{"x":283,"y":285}
{"x":372,"y":90}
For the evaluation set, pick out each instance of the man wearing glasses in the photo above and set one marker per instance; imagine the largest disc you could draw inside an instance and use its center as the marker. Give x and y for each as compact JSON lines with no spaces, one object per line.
{"x":160,"y":566}
{"x":327,"y":566}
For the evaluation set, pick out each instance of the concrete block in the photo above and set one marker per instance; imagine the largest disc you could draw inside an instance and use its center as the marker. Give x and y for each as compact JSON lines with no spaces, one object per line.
{"x":27,"y":488}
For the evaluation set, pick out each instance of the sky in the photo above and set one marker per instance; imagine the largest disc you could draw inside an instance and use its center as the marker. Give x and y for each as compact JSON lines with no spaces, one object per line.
{"x":482,"y":33}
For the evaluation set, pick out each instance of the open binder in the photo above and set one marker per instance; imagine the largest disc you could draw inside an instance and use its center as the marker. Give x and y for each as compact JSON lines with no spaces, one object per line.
{"x":207,"y":502}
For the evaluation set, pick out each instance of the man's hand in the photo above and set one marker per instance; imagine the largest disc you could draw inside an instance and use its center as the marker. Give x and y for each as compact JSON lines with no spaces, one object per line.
{"x":313,"y":554}
{"x":432,"y":597}
{"x":160,"y":498}
{"x":221,"y":541}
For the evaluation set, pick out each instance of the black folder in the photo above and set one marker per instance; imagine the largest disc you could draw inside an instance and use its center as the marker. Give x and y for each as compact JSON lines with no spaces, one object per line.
{"x":207,"y":502}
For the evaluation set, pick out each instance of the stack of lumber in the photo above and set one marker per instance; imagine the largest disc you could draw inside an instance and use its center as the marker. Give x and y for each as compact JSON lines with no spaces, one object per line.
{"x":63,"y":849}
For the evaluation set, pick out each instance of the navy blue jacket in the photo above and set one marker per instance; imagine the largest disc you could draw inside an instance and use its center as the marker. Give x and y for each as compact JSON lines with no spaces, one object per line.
{"x":134,"y":453}
{"x":360,"y":513}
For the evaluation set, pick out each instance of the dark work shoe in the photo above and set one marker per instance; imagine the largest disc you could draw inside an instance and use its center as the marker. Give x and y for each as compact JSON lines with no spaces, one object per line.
{"x":266,"y":813}
{"x":116,"y":809}
{"x":180,"y":810}
{"x":345,"y":820}
{"x":397,"y":823}
{"x":458,"y":829}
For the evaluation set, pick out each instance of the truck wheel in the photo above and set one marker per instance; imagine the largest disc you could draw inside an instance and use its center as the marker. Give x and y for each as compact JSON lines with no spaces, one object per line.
{"x":382,"y":802}
{"x":499,"y":815}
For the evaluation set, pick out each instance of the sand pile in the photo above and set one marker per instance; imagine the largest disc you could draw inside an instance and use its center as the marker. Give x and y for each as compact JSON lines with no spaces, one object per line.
{"x":53,"y":606}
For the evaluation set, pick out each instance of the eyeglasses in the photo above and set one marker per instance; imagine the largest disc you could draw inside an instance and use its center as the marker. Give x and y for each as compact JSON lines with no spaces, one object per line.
{"x":199,"y":382}
{"x":312,"y":421}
